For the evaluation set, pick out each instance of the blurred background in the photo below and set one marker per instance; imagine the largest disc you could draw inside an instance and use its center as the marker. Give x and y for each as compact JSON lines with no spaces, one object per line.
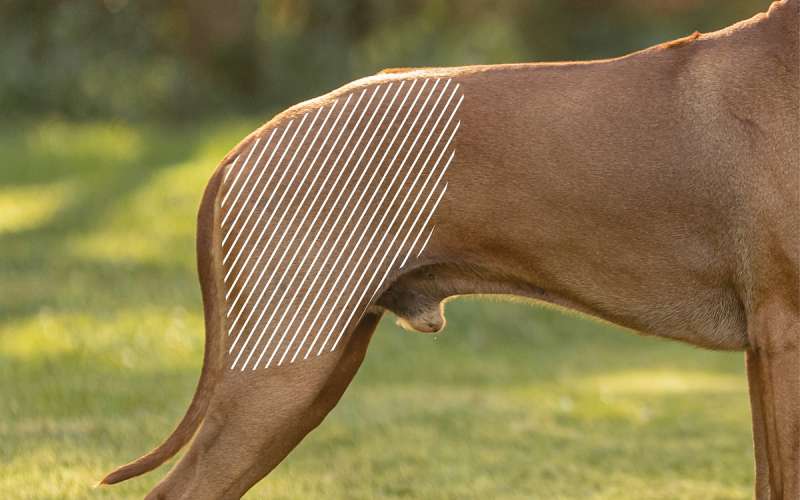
{"x":115,"y":113}
{"x":193,"y":58}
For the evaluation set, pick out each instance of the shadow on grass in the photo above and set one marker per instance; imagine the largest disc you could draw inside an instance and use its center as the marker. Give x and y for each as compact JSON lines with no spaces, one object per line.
{"x":36,"y":265}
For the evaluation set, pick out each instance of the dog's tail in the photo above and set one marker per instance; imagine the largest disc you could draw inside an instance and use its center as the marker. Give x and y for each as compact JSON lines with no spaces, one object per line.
{"x":209,"y":271}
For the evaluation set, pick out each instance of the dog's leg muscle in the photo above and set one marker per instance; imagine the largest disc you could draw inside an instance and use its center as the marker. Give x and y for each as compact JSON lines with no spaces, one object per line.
{"x":774,"y":374}
{"x":358,"y":181}
{"x":250,"y":428}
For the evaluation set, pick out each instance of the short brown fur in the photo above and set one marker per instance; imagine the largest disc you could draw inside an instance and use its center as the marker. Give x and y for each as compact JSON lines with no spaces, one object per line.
{"x":659,"y":191}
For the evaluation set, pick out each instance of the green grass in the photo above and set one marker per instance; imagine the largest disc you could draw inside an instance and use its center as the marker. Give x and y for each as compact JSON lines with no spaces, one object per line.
{"x":101,"y":343}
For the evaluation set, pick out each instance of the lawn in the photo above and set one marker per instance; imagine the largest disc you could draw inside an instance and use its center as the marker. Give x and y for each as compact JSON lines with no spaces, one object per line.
{"x":101,"y":343}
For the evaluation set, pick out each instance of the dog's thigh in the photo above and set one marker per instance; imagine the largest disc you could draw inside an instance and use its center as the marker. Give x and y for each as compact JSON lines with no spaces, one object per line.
{"x":318,"y":210}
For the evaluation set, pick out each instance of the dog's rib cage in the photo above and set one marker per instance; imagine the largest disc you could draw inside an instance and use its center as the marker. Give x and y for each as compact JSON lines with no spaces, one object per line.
{"x":317,"y":212}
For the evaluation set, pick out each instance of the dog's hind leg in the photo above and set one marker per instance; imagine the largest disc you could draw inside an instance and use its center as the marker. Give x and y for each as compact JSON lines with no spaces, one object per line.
{"x":313,"y":214}
{"x":250,"y":427}
{"x":774,"y":375}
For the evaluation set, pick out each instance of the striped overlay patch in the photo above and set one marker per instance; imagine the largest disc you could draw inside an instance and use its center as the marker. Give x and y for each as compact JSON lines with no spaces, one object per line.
{"x":316,"y":213}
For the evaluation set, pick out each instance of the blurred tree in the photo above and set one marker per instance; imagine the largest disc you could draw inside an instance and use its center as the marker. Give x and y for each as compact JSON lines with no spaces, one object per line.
{"x":187,"y":58}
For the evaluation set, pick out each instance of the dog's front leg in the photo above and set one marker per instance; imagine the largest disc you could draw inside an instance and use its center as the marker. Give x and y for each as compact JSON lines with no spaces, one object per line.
{"x":759,"y":425}
{"x":258,"y":416}
{"x":774,"y":375}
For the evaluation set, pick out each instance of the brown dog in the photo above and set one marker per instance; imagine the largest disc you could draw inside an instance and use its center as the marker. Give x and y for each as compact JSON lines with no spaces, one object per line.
{"x":659,"y":191}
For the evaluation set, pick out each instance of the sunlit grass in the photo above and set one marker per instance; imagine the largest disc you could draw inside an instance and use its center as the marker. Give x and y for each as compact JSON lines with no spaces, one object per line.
{"x":28,"y":207}
{"x":101,"y":344}
{"x":659,"y":381}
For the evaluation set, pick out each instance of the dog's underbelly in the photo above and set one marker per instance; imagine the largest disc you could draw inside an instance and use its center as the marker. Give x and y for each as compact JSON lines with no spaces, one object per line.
{"x":417,"y":297}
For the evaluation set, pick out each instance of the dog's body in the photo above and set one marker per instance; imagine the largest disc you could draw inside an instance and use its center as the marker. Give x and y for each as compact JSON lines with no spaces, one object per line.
{"x":659,"y":191}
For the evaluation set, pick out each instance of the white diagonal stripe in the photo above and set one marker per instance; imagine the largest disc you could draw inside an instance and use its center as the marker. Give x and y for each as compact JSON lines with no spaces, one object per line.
{"x":424,"y":226}
{"x":247,"y":179}
{"x":388,"y":269}
{"x":266,"y":206}
{"x":246,"y":161}
{"x":427,"y":240}
{"x":338,"y":157}
{"x":346,"y":244}
{"x":324,"y":162}
{"x":363,"y":192}
{"x":227,"y":175}
{"x":244,"y":184}
{"x":363,"y":212}
{"x":376,"y":148}
{"x":255,"y":185}
{"x":286,"y":210}
{"x":378,"y":266}
{"x":256,"y":201}
{"x":385,"y":214}
{"x":288,"y":225}
{"x":253,"y":168}
{"x":335,"y":183}
{"x":422,"y":230}
{"x":378,"y":221}
{"x":365,"y":130}
{"x":414,"y":246}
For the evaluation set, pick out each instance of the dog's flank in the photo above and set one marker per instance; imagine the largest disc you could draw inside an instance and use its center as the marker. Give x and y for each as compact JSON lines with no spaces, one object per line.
{"x":659,"y":191}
